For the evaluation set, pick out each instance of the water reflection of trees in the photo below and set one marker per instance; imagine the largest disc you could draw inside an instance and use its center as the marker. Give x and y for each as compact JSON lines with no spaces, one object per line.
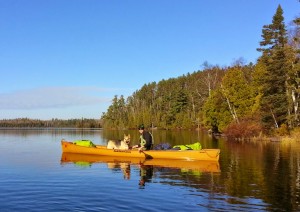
{"x":187,"y":177}
{"x":267,"y":171}
{"x":195,"y":179}
{"x":264,"y":171}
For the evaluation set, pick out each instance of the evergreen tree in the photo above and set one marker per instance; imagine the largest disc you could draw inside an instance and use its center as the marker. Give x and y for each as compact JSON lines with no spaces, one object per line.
{"x":216,"y":113}
{"x":239,"y":92}
{"x":274,"y":100}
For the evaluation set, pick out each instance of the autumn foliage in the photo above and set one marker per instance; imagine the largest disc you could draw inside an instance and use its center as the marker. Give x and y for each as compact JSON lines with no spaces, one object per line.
{"x":245,"y":129}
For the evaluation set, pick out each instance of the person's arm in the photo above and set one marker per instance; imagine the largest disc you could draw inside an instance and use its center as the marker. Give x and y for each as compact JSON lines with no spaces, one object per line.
{"x":135,"y":146}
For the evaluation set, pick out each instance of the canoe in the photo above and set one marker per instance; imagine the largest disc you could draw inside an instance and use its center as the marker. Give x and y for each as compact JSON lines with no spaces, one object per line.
{"x":189,"y":155}
{"x":202,"y":166}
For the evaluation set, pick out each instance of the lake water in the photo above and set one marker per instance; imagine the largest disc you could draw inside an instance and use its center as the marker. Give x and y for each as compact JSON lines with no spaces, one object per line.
{"x":36,"y":176}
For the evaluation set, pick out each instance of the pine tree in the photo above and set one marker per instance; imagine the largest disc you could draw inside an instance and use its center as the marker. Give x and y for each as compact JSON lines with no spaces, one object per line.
{"x":274,"y":101}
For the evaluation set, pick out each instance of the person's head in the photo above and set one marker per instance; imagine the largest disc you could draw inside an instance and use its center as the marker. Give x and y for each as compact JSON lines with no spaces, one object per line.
{"x":141,"y":128}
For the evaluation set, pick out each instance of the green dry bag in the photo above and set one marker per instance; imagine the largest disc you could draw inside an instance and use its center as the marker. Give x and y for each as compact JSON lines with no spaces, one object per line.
{"x":85,"y":143}
{"x":195,"y":146}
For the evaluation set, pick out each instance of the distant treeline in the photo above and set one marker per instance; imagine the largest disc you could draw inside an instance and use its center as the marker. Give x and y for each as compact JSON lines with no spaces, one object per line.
{"x":53,"y":123}
{"x":241,"y":100}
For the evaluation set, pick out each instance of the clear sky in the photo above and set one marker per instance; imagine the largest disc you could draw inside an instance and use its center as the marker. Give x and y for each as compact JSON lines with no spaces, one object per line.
{"x":69,"y":58}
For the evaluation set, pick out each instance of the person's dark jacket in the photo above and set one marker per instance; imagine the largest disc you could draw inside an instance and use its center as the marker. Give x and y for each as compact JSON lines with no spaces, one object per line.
{"x":148,"y":138}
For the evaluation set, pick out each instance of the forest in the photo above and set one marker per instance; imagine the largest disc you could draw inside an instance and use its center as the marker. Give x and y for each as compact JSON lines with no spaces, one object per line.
{"x":241,"y":100}
{"x":53,"y":123}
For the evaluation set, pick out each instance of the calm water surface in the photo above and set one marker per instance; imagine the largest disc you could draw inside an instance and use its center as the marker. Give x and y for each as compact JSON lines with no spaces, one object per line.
{"x":36,"y":176}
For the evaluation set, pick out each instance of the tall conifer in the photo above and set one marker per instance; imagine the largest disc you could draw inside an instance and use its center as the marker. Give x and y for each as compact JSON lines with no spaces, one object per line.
{"x":274,"y":102}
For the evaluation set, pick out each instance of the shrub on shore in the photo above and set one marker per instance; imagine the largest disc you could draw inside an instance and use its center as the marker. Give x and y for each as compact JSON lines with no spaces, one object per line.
{"x":245,"y":129}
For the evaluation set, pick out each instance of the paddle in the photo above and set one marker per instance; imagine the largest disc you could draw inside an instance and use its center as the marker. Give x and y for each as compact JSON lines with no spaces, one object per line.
{"x":146,"y":155}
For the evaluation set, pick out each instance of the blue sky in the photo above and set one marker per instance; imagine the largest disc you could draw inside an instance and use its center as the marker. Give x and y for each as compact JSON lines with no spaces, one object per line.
{"x":68,"y":58}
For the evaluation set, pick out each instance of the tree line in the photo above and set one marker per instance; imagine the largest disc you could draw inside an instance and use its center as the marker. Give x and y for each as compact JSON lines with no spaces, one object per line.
{"x":53,"y":123}
{"x":241,"y":99}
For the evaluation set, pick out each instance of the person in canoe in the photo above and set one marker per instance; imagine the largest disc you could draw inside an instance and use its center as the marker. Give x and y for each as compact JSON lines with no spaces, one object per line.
{"x":145,"y":139}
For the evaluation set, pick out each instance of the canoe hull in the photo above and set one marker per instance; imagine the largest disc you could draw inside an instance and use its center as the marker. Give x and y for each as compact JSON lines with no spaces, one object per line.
{"x":190,"y":155}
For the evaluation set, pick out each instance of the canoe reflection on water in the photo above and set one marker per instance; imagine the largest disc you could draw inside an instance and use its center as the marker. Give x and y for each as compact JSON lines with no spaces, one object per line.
{"x":146,"y":166}
{"x":124,"y":163}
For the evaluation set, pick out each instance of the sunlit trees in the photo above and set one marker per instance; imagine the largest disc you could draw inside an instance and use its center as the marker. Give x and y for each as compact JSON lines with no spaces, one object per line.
{"x":293,"y":77}
{"x":216,"y":113}
{"x":238,"y":92}
{"x":224,"y":99}
{"x":274,"y":99}
{"x":233,"y":100}
{"x":116,"y":114}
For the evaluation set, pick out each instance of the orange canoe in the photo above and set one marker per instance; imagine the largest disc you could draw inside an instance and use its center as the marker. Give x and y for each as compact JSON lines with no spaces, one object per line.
{"x":187,"y":155}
